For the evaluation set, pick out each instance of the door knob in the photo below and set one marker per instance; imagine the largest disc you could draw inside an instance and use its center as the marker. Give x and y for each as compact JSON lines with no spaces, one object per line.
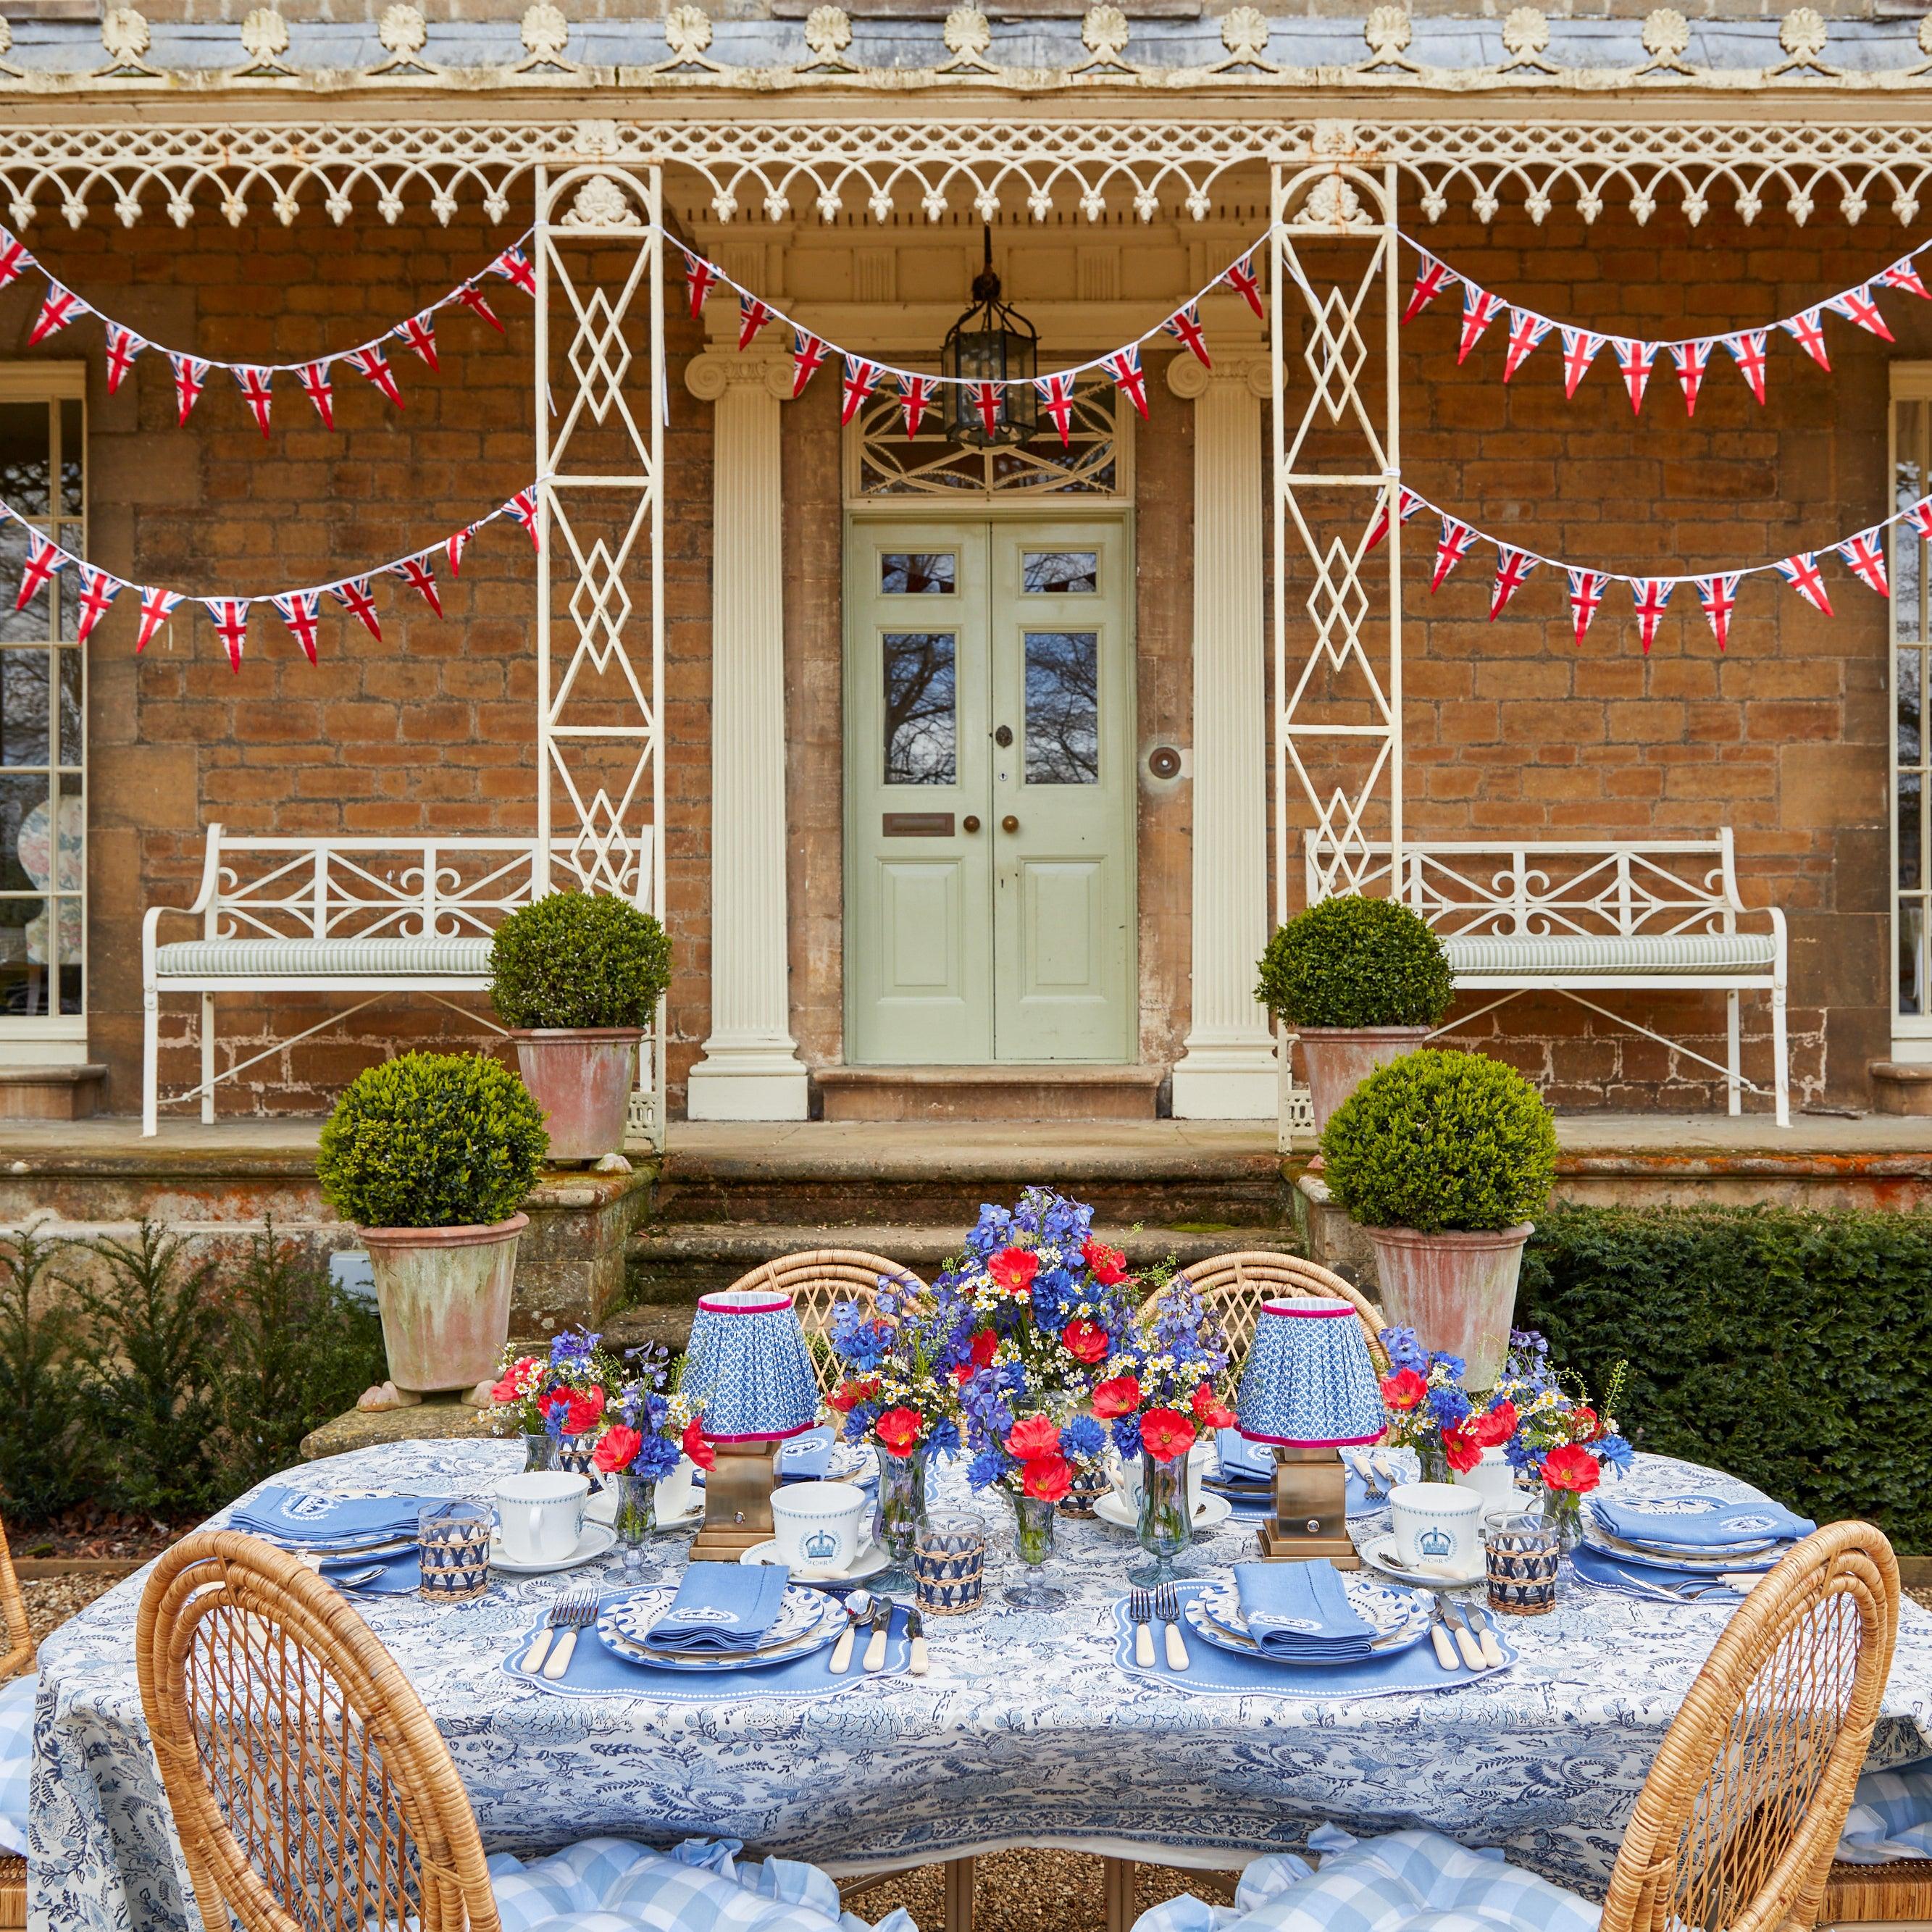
{"x":1003,"y":736}
{"x":1009,"y":823}
{"x":970,"y":822}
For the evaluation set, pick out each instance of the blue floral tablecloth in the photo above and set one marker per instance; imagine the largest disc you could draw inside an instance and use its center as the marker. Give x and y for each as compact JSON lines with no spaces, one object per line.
{"x":1024,"y":1732}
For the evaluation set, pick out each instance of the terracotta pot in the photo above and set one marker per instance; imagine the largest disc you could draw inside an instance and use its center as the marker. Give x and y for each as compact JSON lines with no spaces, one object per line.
{"x":1456,"y":1291}
{"x":444,"y":1295}
{"x":1339,"y":1059}
{"x":581,"y":1078}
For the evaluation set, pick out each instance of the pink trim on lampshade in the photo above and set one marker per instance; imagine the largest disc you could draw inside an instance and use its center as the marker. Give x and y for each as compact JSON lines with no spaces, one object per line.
{"x":1315,"y":1441}
{"x":781,"y":1435}
{"x":720,"y":1307}
{"x":1308,"y":1311}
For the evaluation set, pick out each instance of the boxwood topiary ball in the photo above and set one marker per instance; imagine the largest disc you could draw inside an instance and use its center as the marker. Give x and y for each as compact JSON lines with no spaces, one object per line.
{"x":1441,"y":1140}
{"x":578,"y":959}
{"x":1356,"y":962}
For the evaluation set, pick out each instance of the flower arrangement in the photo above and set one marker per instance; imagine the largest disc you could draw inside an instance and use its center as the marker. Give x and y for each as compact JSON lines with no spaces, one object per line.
{"x":904,"y":1361}
{"x":1161,"y":1389}
{"x":1561,"y":1440}
{"x":563,"y":1394}
{"x":1431,"y":1412}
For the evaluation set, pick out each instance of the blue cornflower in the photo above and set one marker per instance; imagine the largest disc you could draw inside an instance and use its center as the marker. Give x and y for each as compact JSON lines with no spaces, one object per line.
{"x":944,"y":1438}
{"x":1450,"y":1406}
{"x":1083,"y":1438}
{"x":986,"y":1468}
{"x":1127,"y":1435}
{"x":1616,"y":1452}
{"x":656,"y":1458}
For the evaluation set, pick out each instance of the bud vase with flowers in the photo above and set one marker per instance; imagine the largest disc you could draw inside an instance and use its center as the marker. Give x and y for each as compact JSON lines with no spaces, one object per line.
{"x":1562,"y":1443}
{"x":1431,"y":1412}
{"x":649,"y":1425}
{"x":556,"y":1402}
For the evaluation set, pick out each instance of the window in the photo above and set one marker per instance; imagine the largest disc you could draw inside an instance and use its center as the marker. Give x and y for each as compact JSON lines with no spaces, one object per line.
{"x":1062,"y":710}
{"x":921,"y":724}
{"x":42,"y":717}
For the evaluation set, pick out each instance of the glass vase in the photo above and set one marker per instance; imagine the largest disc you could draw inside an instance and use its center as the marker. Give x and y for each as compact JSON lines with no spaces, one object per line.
{"x":1165,"y":1527}
{"x":1033,"y":1524}
{"x":1432,"y":1466}
{"x":636,"y":1518}
{"x":900,"y":1514}
{"x":537,"y":1447}
{"x":1563,"y":1511}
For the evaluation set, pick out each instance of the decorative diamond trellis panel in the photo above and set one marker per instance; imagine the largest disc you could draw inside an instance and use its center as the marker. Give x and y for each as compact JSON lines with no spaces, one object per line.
{"x":600,"y":599}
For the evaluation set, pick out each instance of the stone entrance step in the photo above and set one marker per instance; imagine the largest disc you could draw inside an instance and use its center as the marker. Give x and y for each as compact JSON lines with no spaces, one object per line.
{"x":1052,"y":1091}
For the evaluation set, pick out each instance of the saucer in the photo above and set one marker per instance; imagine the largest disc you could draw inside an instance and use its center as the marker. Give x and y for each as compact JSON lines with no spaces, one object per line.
{"x":602,"y":1508}
{"x":1210,"y":1513}
{"x":598,"y":1539}
{"x":1378,"y":1553}
{"x":874,"y":1560}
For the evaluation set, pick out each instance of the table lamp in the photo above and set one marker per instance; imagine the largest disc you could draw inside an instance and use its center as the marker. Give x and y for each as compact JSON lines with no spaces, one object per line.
{"x":1309,"y":1391}
{"x":748,"y":1363}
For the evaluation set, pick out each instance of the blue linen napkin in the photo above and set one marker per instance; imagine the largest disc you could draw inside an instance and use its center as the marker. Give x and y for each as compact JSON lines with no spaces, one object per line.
{"x":806,"y":1458}
{"x":1693,"y":1522}
{"x":721,"y":1607}
{"x":1243,"y":1461}
{"x":303,"y":1519}
{"x":1295,"y":1611}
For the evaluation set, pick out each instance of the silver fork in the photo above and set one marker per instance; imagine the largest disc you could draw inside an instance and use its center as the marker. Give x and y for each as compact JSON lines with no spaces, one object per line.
{"x":1167,"y":1607}
{"x":1372,"y":1490}
{"x":1140,"y":1611}
{"x":569,"y":1614}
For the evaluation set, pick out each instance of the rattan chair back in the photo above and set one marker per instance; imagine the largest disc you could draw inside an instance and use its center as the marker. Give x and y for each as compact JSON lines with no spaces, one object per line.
{"x":15,"y":1633}
{"x":1735,"y":1825}
{"x":309,"y":1790}
{"x":1235,"y":1286}
{"x":817,"y":1281}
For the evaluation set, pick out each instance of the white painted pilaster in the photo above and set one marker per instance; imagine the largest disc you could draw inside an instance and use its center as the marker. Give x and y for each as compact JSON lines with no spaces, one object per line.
{"x":1227,"y":1071}
{"x":751,"y":1070}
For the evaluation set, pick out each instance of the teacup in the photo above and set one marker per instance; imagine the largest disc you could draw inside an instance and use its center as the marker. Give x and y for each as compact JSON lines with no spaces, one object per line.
{"x":1127,"y":1478}
{"x":1494,"y":1481}
{"x":674,"y":1493}
{"x":1437,"y":1527}
{"x":821,"y":1526}
{"x":540,"y":1515}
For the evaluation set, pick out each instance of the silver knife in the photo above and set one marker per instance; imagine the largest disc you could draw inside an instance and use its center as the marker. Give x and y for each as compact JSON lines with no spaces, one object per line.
{"x":1471,"y":1650}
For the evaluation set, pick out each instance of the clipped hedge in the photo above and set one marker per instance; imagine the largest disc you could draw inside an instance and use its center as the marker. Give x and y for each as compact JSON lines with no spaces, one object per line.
{"x":1355,"y":962}
{"x":1792,"y":1349}
{"x":578,"y":959}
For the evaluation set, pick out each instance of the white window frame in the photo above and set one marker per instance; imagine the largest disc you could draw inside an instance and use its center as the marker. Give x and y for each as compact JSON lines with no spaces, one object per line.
{"x":55,"y":1038}
{"x":1911,"y":382}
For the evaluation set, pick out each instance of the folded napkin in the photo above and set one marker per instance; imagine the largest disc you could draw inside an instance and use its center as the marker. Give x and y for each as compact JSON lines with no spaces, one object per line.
{"x":1243,"y":1461}
{"x":305,"y":1519}
{"x":1700,"y":1522}
{"x":1299,"y":1612}
{"x":806,"y":1458}
{"x":721,"y":1607}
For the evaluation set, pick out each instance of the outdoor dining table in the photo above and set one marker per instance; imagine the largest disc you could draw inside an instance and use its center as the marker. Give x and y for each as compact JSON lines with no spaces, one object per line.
{"x":1026,"y":1731}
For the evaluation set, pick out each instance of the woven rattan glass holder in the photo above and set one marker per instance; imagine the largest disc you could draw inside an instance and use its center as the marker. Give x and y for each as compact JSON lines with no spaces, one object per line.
{"x":949,"y":1564}
{"x":1523,"y":1555}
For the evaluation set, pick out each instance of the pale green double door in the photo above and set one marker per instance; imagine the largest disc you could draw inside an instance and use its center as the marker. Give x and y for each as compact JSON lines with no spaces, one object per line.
{"x":989,"y":792}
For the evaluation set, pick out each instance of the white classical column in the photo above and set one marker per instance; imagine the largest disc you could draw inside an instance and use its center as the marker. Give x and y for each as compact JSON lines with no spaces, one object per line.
{"x":751,"y":1070}
{"x":1227,"y":1071}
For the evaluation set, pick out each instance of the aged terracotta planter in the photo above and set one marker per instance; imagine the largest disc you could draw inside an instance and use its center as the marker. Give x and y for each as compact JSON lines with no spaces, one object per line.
{"x":1456,"y":1291}
{"x":444,"y":1295}
{"x":581,"y":1078}
{"x":1339,"y":1059}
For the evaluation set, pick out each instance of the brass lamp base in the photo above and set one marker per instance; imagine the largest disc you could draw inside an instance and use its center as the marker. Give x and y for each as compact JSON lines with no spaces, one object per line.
{"x":1310,"y":1515}
{"x":737,"y":1502}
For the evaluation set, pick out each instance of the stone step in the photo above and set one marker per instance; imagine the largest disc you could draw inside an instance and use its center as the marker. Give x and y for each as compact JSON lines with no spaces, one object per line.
{"x":1056,"y":1091}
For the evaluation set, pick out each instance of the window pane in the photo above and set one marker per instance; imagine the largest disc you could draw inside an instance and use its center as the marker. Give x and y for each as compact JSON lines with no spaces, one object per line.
{"x":72,"y":708}
{"x":25,"y":857}
{"x":71,"y":861}
{"x":23,"y":707}
{"x":23,"y":458}
{"x":921,"y":724}
{"x":919,"y":573}
{"x":29,"y":625}
{"x":1073,"y":571}
{"x":1911,"y":957}
{"x":71,"y":455}
{"x":1062,"y":717}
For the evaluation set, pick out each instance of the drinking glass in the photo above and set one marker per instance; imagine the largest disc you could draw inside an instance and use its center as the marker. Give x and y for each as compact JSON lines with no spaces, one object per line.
{"x":454,"y":1539}
{"x":1522,"y":1555}
{"x":948,"y":1563}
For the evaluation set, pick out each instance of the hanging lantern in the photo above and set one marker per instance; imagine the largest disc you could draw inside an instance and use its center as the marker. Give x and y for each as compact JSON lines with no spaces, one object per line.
{"x":991,"y":343}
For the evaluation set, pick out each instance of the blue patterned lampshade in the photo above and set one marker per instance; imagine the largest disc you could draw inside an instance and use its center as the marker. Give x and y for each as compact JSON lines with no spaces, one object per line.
{"x":748,"y":1363}
{"x":1309,"y":1383}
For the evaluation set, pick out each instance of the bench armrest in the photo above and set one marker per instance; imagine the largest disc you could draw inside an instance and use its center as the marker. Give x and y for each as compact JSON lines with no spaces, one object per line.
{"x":204,"y":898}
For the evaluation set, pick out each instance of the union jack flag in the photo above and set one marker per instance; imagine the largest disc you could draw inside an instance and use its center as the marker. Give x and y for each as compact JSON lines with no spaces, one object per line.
{"x":157,"y":606}
{"x":752,"y":317}
{"x":1634,"y":359}
{"x":514,"y":266}
{"x":352,"y":594}
{"x":1480,"y":308}
{"x":700,"y":278}
{"x":1124,"y":366}
{"x":98,"y":590}
{"x":1431,"y":279}
{"x":300,"y":610}
{"x":1407,"y":503}
{"x":314,"y":377}
{"x":986,"y":399}
{"x":1802,"y":574}
{"x":373,"y":363}
{"x":123,"y":346}
{"x":190,"y":376}
{"x":1864,"y":554}
{"x":522,"y":506}
{"x":231,"y":619}
{"x":14,"y":259}
{"x":1904,"y":274}
{"x":808,"y":353}
{"x":419,"y":332}
{"x":1808,"y":330}
{"x":1650,"y":594}
{"x":1526,"y":331}
{"x":416,"y":573}
{"x":1579,"y":351}
{"x":1748,"y":348}
{"x":915,"y":399}
{"x":1057,"y":393}
{"x":61,"y":307}
{"x":1242,"y":279}
{"x":860,"y":375}
{"x":459,"y":541}
{"x":473,"y":299}
{"x":1692,"y":359}
{"x":1450,"y":549}
{"x":254,"y":383}
{"x":1184,"y":326}
{"x":1719,"y":596}
{"x":1586,"y":593}
{"x":1857,"y":305}
{"x":1919,"y":517}
{"x":45,"y":561}
{"x":1512,"y":567}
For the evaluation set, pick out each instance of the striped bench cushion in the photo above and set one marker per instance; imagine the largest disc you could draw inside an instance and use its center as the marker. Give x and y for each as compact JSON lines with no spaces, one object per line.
{"x":1580,"y":956}
{"x":467,"y":956}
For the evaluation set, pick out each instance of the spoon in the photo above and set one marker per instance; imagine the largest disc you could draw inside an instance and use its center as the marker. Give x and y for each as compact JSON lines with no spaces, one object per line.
{"x":858,"y":1610}
{"x":356,"y":1579}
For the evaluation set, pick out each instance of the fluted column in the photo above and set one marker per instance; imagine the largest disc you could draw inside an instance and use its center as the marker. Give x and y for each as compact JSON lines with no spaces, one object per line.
{"x":751,"y":1070}
{"x":1227,"y":1070}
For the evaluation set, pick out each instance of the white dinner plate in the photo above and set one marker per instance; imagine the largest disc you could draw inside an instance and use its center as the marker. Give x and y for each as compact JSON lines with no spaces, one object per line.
{"x":1400,"y":1619}
{"x":806,"y":1622}
{"x":1596,"y":1537}
{"x":1379,"y":1553}
{"x":874,"y":1560}
{"x":1210,"y":1513}
{"x":598,"y":1539}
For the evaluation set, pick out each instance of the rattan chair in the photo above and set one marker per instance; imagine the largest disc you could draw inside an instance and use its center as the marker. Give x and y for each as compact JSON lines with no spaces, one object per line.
{"x":1235,"y":1285}
{"x":817,"y":1281}
{"x":17,"y":1658}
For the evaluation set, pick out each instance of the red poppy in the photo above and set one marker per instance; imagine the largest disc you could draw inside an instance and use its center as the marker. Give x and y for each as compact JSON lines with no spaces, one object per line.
{"x":507,"y":1391}
{"x":1461,"y":1448}
{"x":584,"y":1412}
{"x":1120,"y":1396}
{"x":1210,"y":1411}
{"x":1495,"y":1426}
{"x":695,"y":1445}
{"x":1166,"y":1433}
{"x":1032,"y":1435}
{"x":1586,"y":1425}
{"x":1048,"y":1477}
{"x":1107,"y":1266}
{"x":849,"y":1395}
{"x":618,"y":1448}
{"x":899,"y":1429}
{"x":984,"y":1345}
{"x":1571,"y":1467}
{"x":1085,"y":1341}
{"x":1013,"y":1269}
{"x":1403,"y":1390}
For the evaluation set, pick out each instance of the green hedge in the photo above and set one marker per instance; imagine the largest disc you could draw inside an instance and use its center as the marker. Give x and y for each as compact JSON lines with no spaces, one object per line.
{"x":1792,"y":1349}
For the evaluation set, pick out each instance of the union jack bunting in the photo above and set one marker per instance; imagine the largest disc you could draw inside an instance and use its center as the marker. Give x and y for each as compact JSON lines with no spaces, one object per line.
{"x":416,"y":573}
{"x":1919,"y":518}
{"x":752,"y":317}
{"x":1124,"y":366}
{"x":1407,"y":503}
{"x":1586,"y":593}
{"x":352,"y":594}
{"x":61,"y":307}
{"x":123,"y":346}
{"x":1480,"y":308}
{"x":1808,"y":330}
{"x":459,"y":541}
{"x":700,"y":278}
{"x":1579,"y":351}
{"x":44,"y":562}
{"x":419,"y":332}
{"x":1857,"y":305}
{"x":98,"y":591}
{"x":474,"y":300}
{"x":1650,"y":594}
{"x":514,"y":266}
{"x":1802,"y":574}
{"x":1242,"y":280}
{"x":300,"y":611}
{"x":372,"y":363}
{"x":1184,"y":326}
{"x":1692,"y":359}
{"x":1526,"y":330}
{"x":522,"y":506}
{"x":859,"y":377}
{"x":808,"y":354}
{"x":1450,"y":549}
{"x":1904,"y":274}
{"x":157,"y":606}
{"x":1056,"y":392}
{"x":1719,"y":596}
{"x":314,"y":377}
{"x":915,"y":399}
{"x":986,"y":400}
{"x":14,"y":259}
{"x":1431,"y":279}
{"x":1864,"y":555}
{"x":1512,"y":567}
{"x":231,"y":619}
{"x":190,"y":377}
{"x":1634,"y":360}
{"x":254,"y":383}
{"x":1747,"y":349}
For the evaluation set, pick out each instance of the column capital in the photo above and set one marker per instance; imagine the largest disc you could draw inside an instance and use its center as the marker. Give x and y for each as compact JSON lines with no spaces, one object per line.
{"x":708,"y":375}
{"x":1188,"y":380}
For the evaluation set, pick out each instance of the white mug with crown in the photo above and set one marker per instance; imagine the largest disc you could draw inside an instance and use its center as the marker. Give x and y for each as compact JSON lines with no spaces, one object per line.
{"x":822,"y":1527}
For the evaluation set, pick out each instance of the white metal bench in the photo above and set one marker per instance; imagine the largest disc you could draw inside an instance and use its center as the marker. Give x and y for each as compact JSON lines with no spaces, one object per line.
{"x":376,"y":916}
{"x":1571,"y":915}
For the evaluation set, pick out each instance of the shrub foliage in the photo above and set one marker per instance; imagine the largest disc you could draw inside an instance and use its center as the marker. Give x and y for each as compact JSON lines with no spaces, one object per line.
{"x":1441,"y":1140}
{"x":1355,"y":962}
{"x":579,"y":959}
{"x":431,"y":1140}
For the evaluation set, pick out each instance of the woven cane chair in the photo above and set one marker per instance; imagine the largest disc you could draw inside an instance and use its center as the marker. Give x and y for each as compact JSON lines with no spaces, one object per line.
{"x":16,"y":1659}
{"x":1235,"y":1286}
{"x":817,"y":1281}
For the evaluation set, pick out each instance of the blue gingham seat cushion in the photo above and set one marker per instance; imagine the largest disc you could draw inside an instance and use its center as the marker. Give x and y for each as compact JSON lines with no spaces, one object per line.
{"x":1406,"y":1882}
{"x":16,"y":1760}
{"x":611,"y":1884}
{"x":1890,"y":1817}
